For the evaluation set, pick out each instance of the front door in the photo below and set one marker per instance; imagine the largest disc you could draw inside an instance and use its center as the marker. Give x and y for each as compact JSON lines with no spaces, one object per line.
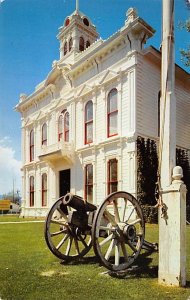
{"x":64,"y":182}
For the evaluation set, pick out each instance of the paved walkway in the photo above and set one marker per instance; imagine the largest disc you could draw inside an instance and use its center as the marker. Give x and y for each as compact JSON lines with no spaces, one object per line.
{"x":22,"y":222}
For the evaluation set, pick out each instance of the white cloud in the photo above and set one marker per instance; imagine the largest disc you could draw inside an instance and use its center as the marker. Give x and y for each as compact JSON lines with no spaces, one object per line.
{"x":5,"y":140}
{"x":9,"y":169}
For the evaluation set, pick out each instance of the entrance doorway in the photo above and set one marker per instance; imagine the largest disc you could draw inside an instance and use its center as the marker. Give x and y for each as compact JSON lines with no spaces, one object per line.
{"x":64,"y":182}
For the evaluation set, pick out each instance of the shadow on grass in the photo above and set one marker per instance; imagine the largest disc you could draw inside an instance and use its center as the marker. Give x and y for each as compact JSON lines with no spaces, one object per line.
{"x":140,"y":268}
{"x":81,"y":261}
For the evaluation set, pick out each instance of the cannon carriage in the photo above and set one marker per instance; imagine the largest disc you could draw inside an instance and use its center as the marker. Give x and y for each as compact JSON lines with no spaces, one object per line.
{"x":115,"y":229}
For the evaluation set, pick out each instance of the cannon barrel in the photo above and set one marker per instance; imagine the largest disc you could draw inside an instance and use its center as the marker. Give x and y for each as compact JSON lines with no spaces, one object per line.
{"x":78,"y":203}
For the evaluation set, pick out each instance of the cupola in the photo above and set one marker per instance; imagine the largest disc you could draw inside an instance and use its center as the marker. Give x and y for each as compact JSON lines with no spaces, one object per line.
{"x":76,"y":35}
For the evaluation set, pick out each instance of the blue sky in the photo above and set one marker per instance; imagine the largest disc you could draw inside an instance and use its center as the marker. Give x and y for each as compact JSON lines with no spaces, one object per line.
{"x":28,"y":46}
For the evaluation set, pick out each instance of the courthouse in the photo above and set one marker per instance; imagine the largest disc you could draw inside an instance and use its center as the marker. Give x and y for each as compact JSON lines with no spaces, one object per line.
{"x":81,"y":124}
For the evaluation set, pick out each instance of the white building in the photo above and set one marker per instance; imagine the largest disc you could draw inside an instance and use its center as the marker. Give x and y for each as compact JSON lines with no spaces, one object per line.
{"x":80,"y":125}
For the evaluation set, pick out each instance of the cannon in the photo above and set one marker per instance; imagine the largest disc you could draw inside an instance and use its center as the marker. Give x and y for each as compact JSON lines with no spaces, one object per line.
{"x":115,"y":229}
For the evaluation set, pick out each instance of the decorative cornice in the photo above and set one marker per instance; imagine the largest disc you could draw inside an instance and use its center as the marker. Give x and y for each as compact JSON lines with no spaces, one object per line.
{"x":34,"y":98}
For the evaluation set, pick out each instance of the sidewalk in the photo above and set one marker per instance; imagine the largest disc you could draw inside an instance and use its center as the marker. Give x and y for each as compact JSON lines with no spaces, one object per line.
{"x":22,"y":222}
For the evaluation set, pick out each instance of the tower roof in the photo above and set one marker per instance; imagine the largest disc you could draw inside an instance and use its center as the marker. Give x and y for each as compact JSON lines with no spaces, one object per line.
{"x":80,"y":16}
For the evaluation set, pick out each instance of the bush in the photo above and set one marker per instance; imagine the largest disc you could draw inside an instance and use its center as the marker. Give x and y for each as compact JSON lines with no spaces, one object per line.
{"x":150,"y":214}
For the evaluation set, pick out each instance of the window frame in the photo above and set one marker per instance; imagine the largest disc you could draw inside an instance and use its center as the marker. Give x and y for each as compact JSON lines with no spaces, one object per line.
{"x":44,"y":138}
{"x":109,"y":180}
{"x":111,"y":113}
{"x":81,"y":44}
{"x":70,"y":44}
{"x":32,"y":145}
{"x":87,"y":185}
{"x":44,"y":189}
{"x":60,"y":127}
{"x":87,"y":44}
{"x":87,"y":123}
{"x":65,"y":48}
{"x":66,"y":129}
{"x":32,"y":190}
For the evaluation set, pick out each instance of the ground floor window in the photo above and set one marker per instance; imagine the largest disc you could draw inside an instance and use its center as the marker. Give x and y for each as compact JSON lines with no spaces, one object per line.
{"x":31,"y":191}
{"x":112,"y":176}
{"x":44,"y":189}
{"x":89,"y":182}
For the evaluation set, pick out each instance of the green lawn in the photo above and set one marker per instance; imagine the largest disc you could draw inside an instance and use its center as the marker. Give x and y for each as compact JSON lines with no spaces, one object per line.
{"x":28,"y":270}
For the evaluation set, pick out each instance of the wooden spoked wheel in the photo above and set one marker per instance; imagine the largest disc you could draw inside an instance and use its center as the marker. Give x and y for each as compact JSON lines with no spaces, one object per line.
{"x":118,"y":231}
{"x":65,"y":240}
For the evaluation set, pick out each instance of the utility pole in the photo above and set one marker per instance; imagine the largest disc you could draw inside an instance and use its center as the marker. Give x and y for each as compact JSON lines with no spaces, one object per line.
{"x":172,"y":212}
{"x":13,"y":190}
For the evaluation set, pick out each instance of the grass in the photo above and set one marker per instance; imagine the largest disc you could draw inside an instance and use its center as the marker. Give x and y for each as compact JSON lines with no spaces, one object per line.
{"x":28,"y":271}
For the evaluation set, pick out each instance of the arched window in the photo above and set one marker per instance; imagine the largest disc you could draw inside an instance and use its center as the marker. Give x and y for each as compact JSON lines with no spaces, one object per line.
{"x":32,"y":145}
{"x":44,"y":134}
{"x":86,"y":22}
{"x":81,"y":44}
{"x":112,"y":176}
{"x":44,"y":189}
{"x":88,"y":122}
{"x":66,"y":127}
{"x":32,"y":191}
{"x":70,"y":44}
{"x":112,"y":113}
{"x":65,"y":48}
{"x":60,"y":127}
{"x":67,"y":21}
{"x":159,"y":95}
{"x":89,"y":183}
{"x":87,"y":44}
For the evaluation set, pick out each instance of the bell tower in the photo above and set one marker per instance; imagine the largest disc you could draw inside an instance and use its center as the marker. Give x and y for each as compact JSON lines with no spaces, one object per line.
{"x":76,"y":35}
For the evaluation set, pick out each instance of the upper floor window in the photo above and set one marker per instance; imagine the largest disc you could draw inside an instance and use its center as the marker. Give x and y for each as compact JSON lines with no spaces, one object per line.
{"x":81,"y":44}
{"x":70,"y":44}
{"x":65,"y":48}
{"x":66,"y":127}
{"x":86,"y":22}
{"x":89,"y":182}
{"x":44,"y":134}
{"x":60,"y":127}
{"x":31,"y":191}
{"x":89,"y":122}
{"x":112,"y":176}
{"x":67,"y":21}
{"x":44,"y":189}
{"x":32,"y":145}
{"x":112,"y":113}
{"x":87,"y":44}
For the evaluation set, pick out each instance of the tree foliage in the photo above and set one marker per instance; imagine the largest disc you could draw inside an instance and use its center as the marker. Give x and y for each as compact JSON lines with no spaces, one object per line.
{"x":147,"y":166}
{"x":185,"y":53}
{"x":182,"y":159}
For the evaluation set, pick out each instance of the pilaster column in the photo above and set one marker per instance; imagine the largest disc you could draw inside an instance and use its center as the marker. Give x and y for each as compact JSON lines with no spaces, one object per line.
{"x":94,"y":100}
{"x":104,"y":125}
{"x":119,"y":107}
{"x":75,"y":37}
{"x":132,"y":101}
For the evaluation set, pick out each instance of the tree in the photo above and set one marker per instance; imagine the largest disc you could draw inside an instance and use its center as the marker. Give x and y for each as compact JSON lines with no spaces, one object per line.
{"x":185,"y":53}
{"x":147,"y":166}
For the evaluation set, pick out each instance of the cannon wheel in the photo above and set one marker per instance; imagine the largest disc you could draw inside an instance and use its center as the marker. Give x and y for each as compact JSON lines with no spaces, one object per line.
{"x":118,"y":231}
{"x":64,"y":240}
